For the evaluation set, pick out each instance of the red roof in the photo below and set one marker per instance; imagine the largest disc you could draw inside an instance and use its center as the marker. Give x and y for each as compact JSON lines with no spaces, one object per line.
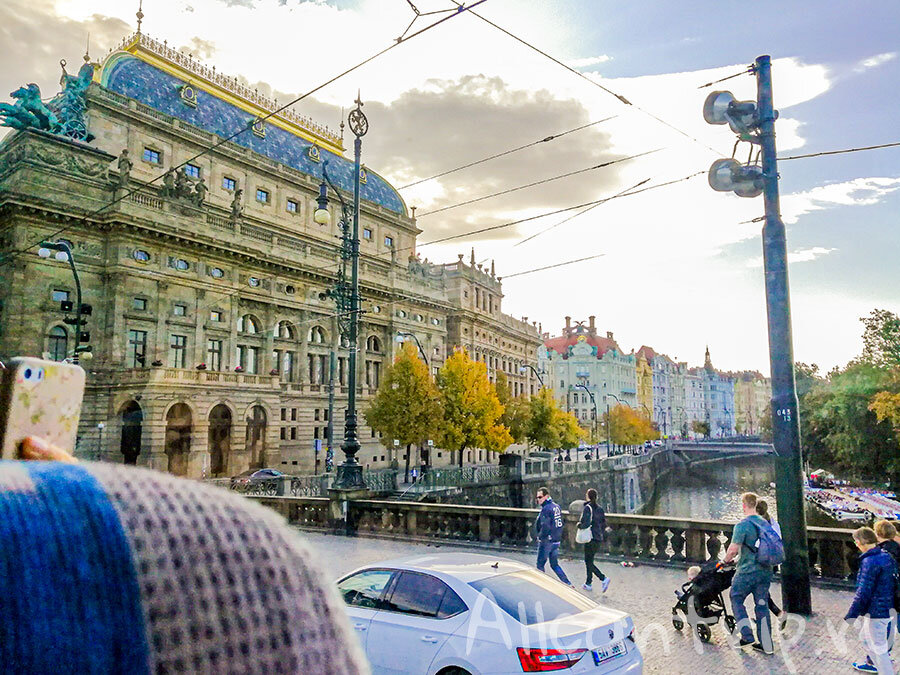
{"x":561,"y":344}
{"x":646,"y":352}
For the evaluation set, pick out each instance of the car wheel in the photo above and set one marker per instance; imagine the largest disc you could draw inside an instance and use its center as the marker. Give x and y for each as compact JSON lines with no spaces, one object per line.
{"x":454,"y":670}
{"x":703,"y":632}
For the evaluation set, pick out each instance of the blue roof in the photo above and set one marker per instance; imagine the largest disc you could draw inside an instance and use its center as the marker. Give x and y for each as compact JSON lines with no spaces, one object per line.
{"x":137,"y":79}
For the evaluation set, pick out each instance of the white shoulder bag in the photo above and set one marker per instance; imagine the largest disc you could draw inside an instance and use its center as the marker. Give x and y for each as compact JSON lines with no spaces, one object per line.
{"x":583,"y":536}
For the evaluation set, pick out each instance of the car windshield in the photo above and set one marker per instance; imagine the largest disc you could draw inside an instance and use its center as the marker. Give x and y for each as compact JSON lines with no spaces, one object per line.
{"x":531,"y":597}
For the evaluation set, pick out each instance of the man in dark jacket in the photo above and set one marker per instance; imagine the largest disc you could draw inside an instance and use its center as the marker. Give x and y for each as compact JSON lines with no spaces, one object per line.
{"x":549,"y":526}
{"x":874,"y":601}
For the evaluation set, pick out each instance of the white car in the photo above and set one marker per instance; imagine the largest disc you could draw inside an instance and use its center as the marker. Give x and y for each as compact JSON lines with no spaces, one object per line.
{"x":464,"y":613}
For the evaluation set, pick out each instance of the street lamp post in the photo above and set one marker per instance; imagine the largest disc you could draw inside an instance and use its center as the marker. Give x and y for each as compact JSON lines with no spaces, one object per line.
{"x":64,"y":254}
{"x":100,"y":427}
{"x":537,"y":374}
{"x":594,"y":404}
{"x":349,"y":472}
{"x":403,"y":334}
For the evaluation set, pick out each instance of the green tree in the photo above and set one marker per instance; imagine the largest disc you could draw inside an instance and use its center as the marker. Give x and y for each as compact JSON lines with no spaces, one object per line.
{"x":407,"y":405}
{"x":699,"y":427}
{"x":471,"y":408}
{"x":881,"y":339}
{"x":550,"y":427}
{"x":516,"y":411}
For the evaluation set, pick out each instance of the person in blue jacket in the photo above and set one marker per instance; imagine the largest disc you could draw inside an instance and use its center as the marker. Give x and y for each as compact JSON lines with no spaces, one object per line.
{"x":874,"y":602}
{"x":549,"y":526}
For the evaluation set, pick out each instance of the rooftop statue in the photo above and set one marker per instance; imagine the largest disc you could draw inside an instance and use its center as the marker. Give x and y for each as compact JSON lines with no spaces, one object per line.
{"x":70,"y":104}
{"x":63,"y":115}
{"x":28,"y":112}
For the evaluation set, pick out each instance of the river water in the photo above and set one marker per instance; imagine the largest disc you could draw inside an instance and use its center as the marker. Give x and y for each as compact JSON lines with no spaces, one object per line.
{"x":713,"y":492}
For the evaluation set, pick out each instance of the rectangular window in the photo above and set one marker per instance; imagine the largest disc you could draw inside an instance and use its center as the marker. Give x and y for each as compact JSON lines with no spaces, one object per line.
{"x":248,"y":358}
{"x":315,"y":432}
{"x":229,"y":183}
{"x":176,"y":351}
{"x":214,"y":354}
{"x":326,"y":414}
{"x":283,"y":414}
{"x":367,"y":233}
{"x":262,"y":196}
{"x":215,"y":315}
{"x":389,"y":242}
{"x":139,"y":304}
{"x":152,"y":156}
{"x":287,"y":367}
{"x":293,"y":433}
{"x":192,"y":170}
{"x":137,"y":348}
{"x":179,"y":310}
{"x":283,"y":433}
{"x":292,"y":206}
{"x":316,"y":414}
{"x":59,"y":296}
{"x":293,"y":414}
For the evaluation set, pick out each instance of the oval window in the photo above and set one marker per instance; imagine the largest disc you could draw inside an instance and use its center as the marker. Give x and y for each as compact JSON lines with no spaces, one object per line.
{"x":419,"y":317}
{"x":141,"y":255}
{"x":436,"y":322}
{"x":182,"y":264}
{"x":376,"y":309}
{"x":253,"y":281}
{"x":401,"y":314}
{"x":217,"y":272}
{"x":290,"y":290}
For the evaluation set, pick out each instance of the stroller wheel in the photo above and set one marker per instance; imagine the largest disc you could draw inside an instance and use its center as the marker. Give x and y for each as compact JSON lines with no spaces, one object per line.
{"x":730,"y":623}
{"x":703,"y":632}
{"x":677,"y":621}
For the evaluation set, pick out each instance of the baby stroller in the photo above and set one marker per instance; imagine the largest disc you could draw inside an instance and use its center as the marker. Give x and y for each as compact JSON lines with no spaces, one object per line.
{"x":701,"y":600}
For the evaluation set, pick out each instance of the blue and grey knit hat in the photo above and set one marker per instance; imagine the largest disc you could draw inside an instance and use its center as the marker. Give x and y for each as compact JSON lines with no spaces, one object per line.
{"x":113,"y":569}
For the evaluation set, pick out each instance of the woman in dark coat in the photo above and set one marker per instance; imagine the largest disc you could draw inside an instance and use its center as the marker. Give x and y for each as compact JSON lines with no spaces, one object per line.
{"x":593,"y":517}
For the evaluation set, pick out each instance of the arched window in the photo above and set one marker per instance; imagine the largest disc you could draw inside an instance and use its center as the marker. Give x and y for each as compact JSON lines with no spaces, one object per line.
{"x":285,"y":330}
{"x":248,"y":324}
{"x":373,"y":344}
{"x":58,"y":342}
{"x":316,"y":335}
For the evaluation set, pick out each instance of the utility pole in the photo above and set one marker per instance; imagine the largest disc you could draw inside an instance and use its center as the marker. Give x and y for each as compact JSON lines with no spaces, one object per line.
{"x":329,"y":453}
{"x":754,"y":122}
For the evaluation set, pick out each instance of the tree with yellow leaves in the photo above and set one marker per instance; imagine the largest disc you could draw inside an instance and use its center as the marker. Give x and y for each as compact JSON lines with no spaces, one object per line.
{"x":471,"y":408}
{"x":407,"y":405}
{"x":550,"y":427}
{"x":629,"y":427}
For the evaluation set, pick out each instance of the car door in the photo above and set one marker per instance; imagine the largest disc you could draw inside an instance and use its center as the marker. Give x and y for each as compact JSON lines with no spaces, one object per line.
{"x":363,"y":594}
{"x":419,"y":615}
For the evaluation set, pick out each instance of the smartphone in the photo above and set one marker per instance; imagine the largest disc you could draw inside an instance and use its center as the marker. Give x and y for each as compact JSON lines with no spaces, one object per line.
{"x":39,"y":398}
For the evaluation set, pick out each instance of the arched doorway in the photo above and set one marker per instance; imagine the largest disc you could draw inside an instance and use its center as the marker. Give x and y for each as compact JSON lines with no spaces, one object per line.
{"x":219,"y":439}
{"x":256,"y":436}
{"x":132,"y":419}
{"x":178,"y":438}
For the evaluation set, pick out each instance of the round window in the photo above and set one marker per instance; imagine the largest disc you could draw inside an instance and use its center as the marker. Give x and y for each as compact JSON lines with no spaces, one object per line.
{"x":290,"y":290}
{"x":141,"y":255}
{"x":419,"y":317}
{"x":182,"y":264}
{"x":253,"y":281}
{"x":217,"y":272}
{"x":376,"y":309}
{"x":401,"y":314}
{"x":436,"y":322}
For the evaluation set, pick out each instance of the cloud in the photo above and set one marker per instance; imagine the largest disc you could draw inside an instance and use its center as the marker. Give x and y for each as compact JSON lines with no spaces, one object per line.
{"x":589,"y":61}
{"x":875,"y":61}
{"x":856,"y":192}
{"x":800,"y":255}
{"x":202,"y":48}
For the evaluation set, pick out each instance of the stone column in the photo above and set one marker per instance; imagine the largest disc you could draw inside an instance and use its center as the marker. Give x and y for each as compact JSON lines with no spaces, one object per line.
{"x":162,"y":337}
{"x":303,"y":375}
{"x":115,"y":319}
{"x":200,"y":316}
{"x":229,"y":358}
{"x":239,"y":459}
{"x":268,"y":342}
{"x":198,"y":457}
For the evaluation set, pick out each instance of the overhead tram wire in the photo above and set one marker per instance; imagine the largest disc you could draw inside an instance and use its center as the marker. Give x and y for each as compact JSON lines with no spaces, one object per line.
{"x":621,"y":98}
{"x":550,"y":267}
{"x":506,"y":152}
{"x":460,"y":9}
{"x":840,"y":152}
{"x":540,"y":182}
{"x":723,"y":79}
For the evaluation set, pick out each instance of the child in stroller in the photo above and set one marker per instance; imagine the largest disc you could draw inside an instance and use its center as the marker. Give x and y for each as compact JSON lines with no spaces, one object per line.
{"x":700,"y":602}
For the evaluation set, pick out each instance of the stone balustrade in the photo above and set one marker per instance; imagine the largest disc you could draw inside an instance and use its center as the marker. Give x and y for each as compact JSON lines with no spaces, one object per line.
{"x":648,"y":539}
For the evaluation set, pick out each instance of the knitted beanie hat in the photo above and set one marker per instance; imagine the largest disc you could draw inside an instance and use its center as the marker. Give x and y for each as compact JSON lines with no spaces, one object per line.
{"x":112,"y":569}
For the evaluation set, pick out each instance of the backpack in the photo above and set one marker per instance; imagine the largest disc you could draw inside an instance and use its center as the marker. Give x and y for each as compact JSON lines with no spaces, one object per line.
{"x":770,"y":549}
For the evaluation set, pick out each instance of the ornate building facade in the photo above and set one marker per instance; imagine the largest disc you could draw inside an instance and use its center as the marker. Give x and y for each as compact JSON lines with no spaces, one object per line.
{"x":212,"y":336}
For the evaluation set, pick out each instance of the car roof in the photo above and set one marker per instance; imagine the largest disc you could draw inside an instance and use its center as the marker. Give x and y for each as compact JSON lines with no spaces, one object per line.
{"x":466,"y":567}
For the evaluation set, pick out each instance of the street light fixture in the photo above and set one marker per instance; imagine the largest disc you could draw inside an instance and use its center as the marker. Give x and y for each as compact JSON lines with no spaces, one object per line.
{"x":346,"y":296}
{"x":64,"y":254}
{"x":582,"y":385}
{"x":401,"y":337}
{"x":537,"y":374}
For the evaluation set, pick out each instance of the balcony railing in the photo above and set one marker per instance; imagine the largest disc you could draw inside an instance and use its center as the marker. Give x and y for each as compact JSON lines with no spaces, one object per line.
{"x":185,"y":376}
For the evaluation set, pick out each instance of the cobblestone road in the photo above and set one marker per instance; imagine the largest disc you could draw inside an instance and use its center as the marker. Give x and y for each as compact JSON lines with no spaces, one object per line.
{"x":822,"y":644}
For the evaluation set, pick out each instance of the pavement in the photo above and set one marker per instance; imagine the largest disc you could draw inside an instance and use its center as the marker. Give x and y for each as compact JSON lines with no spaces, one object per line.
{"x":823,"y":643}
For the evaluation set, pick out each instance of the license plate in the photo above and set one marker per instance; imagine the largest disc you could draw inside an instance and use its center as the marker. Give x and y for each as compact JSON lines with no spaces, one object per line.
{"x":607,"y":653}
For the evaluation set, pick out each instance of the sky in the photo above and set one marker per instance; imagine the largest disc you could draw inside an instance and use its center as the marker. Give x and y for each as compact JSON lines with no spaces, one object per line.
{"x":680,"y":266}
